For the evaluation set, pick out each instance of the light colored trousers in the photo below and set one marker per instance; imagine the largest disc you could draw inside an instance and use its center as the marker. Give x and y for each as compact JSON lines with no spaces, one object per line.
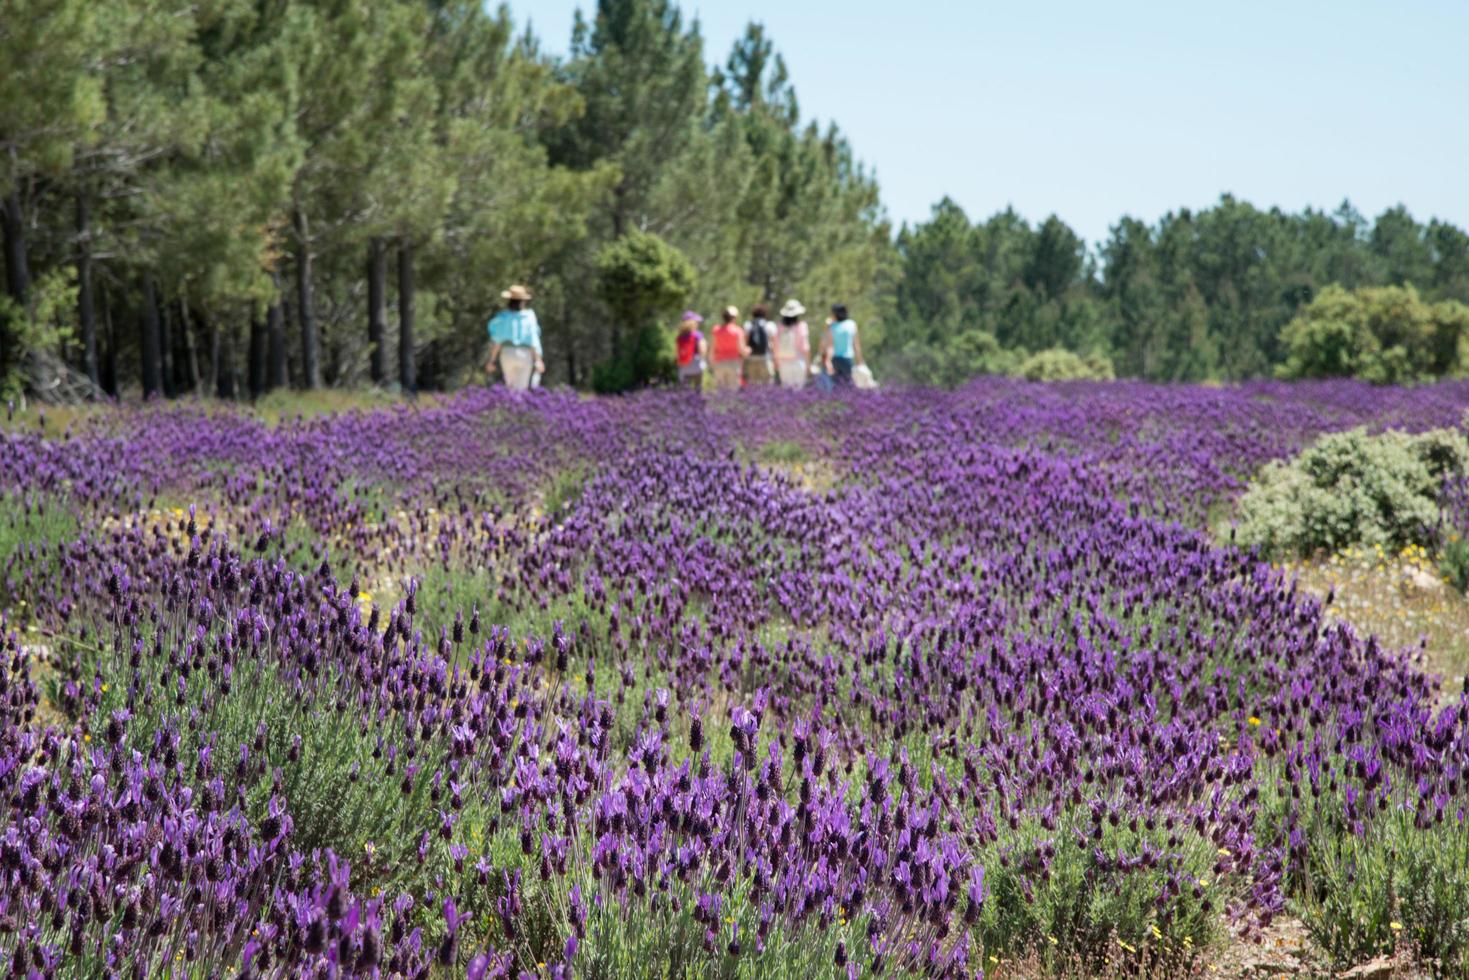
{"x":517,"y":364}
{"x":793,"y":372}
{"x":727,"y":374}
{"x":757,"y":370}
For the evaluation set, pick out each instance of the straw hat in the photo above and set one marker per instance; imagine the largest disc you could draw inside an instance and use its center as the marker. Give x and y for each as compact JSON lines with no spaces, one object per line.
{"x":793,"y":308}
{"x":731,"y":312}
{"x":516,"y":292}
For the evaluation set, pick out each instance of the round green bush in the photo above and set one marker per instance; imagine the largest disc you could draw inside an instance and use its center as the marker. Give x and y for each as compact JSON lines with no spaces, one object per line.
{"x":1352,"y":488}
{"x":1059,"y":364}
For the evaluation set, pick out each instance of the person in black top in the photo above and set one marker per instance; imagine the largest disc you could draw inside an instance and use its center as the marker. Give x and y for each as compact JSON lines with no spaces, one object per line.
{"x":758,"y":333}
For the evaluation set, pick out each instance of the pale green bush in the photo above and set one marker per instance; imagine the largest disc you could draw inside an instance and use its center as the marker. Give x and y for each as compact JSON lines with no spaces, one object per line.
{"x":1352,"y":488}
{"x":1059,"y":364}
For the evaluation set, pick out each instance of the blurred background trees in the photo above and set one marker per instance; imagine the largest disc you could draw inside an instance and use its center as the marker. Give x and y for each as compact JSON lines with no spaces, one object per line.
{"x":1207,"y":295}
{"x":227,"y":197}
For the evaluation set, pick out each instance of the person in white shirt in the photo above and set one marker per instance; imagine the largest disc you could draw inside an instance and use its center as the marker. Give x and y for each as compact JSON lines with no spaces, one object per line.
{"x":792,"y":346}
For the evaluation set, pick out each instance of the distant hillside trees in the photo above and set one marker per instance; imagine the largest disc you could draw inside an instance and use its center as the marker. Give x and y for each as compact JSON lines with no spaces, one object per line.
{"x":1199,"y":295}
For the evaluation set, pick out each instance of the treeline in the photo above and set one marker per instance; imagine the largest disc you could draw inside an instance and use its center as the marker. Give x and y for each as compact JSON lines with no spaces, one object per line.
{"x":232,"y":196}
{"x":1199,"y":295}
{"x":242,"y":194}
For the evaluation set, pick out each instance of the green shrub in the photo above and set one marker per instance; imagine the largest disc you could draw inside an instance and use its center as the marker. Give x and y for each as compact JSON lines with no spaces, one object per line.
{"x":646,"y":358}
{"x":1059,"y":364}
{"x":1351,"y":488}
{"x":45,"y":323}
{"x":640,"y":278}
{"x":1385,"y":335}
{"x":958,"y":358}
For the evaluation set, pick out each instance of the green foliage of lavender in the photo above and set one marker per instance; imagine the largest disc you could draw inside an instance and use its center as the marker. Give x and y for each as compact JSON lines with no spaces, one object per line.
{"x":32,"y":527}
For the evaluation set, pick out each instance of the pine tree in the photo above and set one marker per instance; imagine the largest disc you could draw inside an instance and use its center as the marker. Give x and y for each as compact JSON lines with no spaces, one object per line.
{"x":50,"y":102}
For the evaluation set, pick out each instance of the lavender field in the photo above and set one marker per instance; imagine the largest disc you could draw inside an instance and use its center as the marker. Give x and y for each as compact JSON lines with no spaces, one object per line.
{"x":772,"y":685}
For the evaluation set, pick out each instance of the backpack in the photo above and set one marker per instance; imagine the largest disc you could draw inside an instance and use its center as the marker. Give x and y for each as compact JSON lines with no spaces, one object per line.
{"x":786,"y":338}
{"x":757,"y":334}
{"x":688,"y":347}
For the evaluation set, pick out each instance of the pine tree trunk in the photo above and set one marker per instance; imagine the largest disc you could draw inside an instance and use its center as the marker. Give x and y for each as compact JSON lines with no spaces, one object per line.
{"x":377,"y":308}
{"x":86,"y":306}
{"x":109,"y":364}
{"x":151,"y":341}
{"x":224,"y":361}
{"x":167,"y":360}
{"x":216,"y":356}
{"x":275,"y":335}
{"x":17,"y":271}
{"x":255,"y":370}
{"x":310,"y":364}
{"x":406,"y":374}
{"x":191,"y":381}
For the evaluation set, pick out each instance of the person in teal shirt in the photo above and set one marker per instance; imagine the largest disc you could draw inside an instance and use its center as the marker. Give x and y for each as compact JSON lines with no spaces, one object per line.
{"x":515,"y":341}
{"x":841,"y":348}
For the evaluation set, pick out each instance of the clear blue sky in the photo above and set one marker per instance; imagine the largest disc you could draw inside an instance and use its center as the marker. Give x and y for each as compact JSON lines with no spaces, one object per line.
{"x":1095,"y":109}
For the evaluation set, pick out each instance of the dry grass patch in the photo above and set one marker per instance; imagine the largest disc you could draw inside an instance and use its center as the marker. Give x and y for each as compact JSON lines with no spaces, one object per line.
{"x":1401,"y":598}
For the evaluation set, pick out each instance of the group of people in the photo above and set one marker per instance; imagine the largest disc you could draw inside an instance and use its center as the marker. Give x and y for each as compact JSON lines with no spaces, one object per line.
{"x":761,"y":351}
{"x":757,"y":352}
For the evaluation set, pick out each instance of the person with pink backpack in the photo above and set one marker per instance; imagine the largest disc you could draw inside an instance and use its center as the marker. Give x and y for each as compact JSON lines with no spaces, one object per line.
{"x":792,"y":346}
{"x":692,"y":350}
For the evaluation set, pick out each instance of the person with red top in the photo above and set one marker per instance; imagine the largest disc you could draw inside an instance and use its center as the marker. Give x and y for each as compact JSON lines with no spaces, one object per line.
{"x":730,"y":351}
{"x":692,"y":349}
